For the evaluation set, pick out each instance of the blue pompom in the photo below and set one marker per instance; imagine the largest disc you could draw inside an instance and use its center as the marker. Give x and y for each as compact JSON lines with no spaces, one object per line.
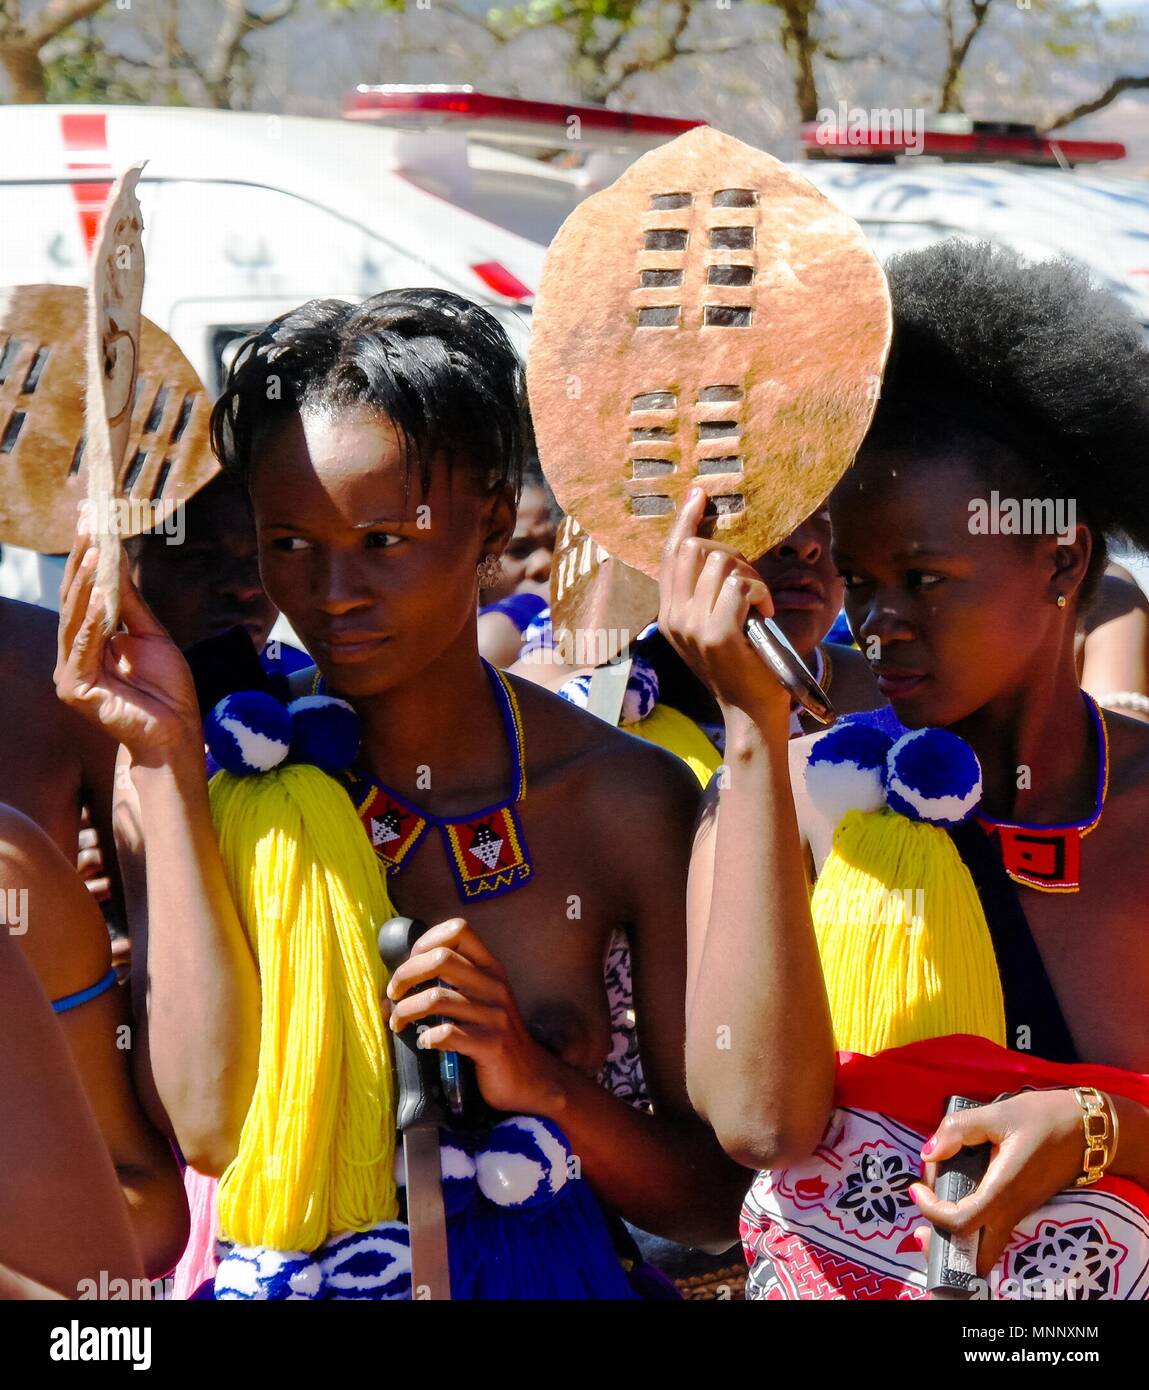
{"x":846,"y":769}
{"x":523,"y":1163}
{"x":576,"y":691}
{"x":641,"y":691}
{"x":933,"y":775}
{"x":248,"y":732}
{"x":324,"y":731}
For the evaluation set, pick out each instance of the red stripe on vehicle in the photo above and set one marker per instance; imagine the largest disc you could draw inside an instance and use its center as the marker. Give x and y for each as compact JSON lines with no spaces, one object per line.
{"x":85,"y":136}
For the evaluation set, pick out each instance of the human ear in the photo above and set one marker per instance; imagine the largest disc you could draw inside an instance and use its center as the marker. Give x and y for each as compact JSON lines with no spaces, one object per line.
{"x":499,"y":513}
{"x":1071,"y":555}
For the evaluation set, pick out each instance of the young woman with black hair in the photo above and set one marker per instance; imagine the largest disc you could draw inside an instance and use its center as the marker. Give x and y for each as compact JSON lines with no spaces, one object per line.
{"x":381,"y":445}
{"x":1007,"y":379}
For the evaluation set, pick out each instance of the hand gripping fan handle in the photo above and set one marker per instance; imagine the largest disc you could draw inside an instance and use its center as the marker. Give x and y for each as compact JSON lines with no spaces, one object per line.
{"x":772,"y":645}
{"x":420,"y":1098}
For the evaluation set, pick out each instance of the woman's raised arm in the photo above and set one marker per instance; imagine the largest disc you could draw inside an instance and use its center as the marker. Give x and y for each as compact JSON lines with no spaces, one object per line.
{"x":759,"y":1042}
{"x":202,"y":984}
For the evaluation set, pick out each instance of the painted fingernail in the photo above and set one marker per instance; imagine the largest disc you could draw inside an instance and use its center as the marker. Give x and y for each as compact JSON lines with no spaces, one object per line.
{"x":928,"y":1147}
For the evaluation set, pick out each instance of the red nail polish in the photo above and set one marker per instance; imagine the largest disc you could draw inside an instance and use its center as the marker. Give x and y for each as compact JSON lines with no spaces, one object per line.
{"x":928,"y":1147}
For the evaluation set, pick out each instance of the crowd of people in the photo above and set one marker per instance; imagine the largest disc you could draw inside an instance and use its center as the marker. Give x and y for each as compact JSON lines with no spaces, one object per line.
{"x":648,"y":939}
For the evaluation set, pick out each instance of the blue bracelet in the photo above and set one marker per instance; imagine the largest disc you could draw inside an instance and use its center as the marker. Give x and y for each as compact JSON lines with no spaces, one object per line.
{"x":73,"y":1001}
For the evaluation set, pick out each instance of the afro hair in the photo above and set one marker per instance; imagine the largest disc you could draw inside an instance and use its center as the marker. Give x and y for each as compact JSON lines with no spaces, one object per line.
{"x":1035,"y":357}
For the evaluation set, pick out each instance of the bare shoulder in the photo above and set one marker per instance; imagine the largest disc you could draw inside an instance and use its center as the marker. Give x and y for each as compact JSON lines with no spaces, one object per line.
{"x":816,"y":830}
{"x":566,"y":742}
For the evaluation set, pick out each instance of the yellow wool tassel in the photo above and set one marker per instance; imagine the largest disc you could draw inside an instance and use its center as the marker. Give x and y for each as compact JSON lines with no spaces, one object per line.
{"x":906,"y":952}
{"x":671,"y":729}
{"x":316,"y":1153}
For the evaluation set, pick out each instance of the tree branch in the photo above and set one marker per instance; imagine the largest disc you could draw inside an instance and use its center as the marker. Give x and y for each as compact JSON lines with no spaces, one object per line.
{"x":652,"y":62}
{"x":477,"y":20}
{"x":1110,"y":94}
{"x":58,"y":15}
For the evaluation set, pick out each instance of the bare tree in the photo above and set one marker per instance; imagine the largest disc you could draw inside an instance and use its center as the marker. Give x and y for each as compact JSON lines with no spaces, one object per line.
{"x":224,"y":68}
{"x":212,"y":66}
{"x":958,"y":45}
{"x":801,"y":45}
{"x":25,"y":31}
{"x":613,"y":41}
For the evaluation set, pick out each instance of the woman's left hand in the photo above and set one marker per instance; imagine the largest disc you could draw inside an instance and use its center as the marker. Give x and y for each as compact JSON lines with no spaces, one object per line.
{"x":1037,"y":1151}
{"x":479,"y":1017}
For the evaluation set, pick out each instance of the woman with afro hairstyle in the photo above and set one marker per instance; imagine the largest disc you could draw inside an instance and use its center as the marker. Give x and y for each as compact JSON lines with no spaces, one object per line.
{"x":1012,"y":390}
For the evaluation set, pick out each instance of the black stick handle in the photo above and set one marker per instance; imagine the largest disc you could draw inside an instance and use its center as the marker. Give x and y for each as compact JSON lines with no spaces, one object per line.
{"x":421,"y":1100}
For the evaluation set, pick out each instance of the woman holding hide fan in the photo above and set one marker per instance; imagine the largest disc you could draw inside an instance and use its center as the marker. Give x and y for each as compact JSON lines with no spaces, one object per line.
{"x":381,"y":446}
{"x":977,"y":922}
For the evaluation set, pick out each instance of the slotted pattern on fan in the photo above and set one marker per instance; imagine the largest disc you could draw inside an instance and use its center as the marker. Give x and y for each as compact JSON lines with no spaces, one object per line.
{"x":598,"y":604}
{"x":42,"y":474}
{"x":711,"y":319}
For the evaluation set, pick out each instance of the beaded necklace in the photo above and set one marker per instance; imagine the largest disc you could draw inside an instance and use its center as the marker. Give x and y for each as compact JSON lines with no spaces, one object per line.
{"x":486,"y":849}
{"x":1048,"y":857}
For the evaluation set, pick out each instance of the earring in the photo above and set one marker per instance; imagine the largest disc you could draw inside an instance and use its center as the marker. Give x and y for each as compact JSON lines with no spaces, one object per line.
{"x":489,"y":570}
{"x":1061,"y":600}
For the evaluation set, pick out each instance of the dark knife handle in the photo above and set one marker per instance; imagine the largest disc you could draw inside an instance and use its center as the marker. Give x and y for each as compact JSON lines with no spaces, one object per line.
{"x":417,"y":1069}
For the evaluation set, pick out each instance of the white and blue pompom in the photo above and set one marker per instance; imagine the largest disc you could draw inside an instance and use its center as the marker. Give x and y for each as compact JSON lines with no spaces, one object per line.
{"x":248,"y":732}
{"x":933,"y":775}
{"x":374,"y":1264}
{"x":324,"y":731}
{"x":641,"y":691}
{"x":576,"y":691}
{"x":459,"y":1174}
{"x":846,"y":769}
{"x":523,"y":1163}
{"x":250,"y":1273}
{"x":640,"y":697}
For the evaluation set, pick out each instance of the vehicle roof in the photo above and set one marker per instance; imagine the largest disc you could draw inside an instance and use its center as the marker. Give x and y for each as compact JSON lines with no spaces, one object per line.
{"x":1101,"y":220}
{"x":340,"y":165}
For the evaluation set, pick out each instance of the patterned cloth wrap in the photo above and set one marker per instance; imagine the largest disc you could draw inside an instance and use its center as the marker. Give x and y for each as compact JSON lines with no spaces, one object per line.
{"x":840,"y":1225}
{"x":521,"y":1223}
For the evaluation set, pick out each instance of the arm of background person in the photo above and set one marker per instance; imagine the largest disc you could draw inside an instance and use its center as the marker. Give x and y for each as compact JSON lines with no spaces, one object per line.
{"x":63,"y":1218}
{"x":66,"y":941}
{"x":1116,"y":639}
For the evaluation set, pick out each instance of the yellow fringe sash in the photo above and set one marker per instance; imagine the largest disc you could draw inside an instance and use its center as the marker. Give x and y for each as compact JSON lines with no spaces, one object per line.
{"x":316,"y":1153}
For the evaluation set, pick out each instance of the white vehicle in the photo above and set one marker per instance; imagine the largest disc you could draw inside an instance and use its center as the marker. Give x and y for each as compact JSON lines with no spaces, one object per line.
{"x":249,"y":215}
